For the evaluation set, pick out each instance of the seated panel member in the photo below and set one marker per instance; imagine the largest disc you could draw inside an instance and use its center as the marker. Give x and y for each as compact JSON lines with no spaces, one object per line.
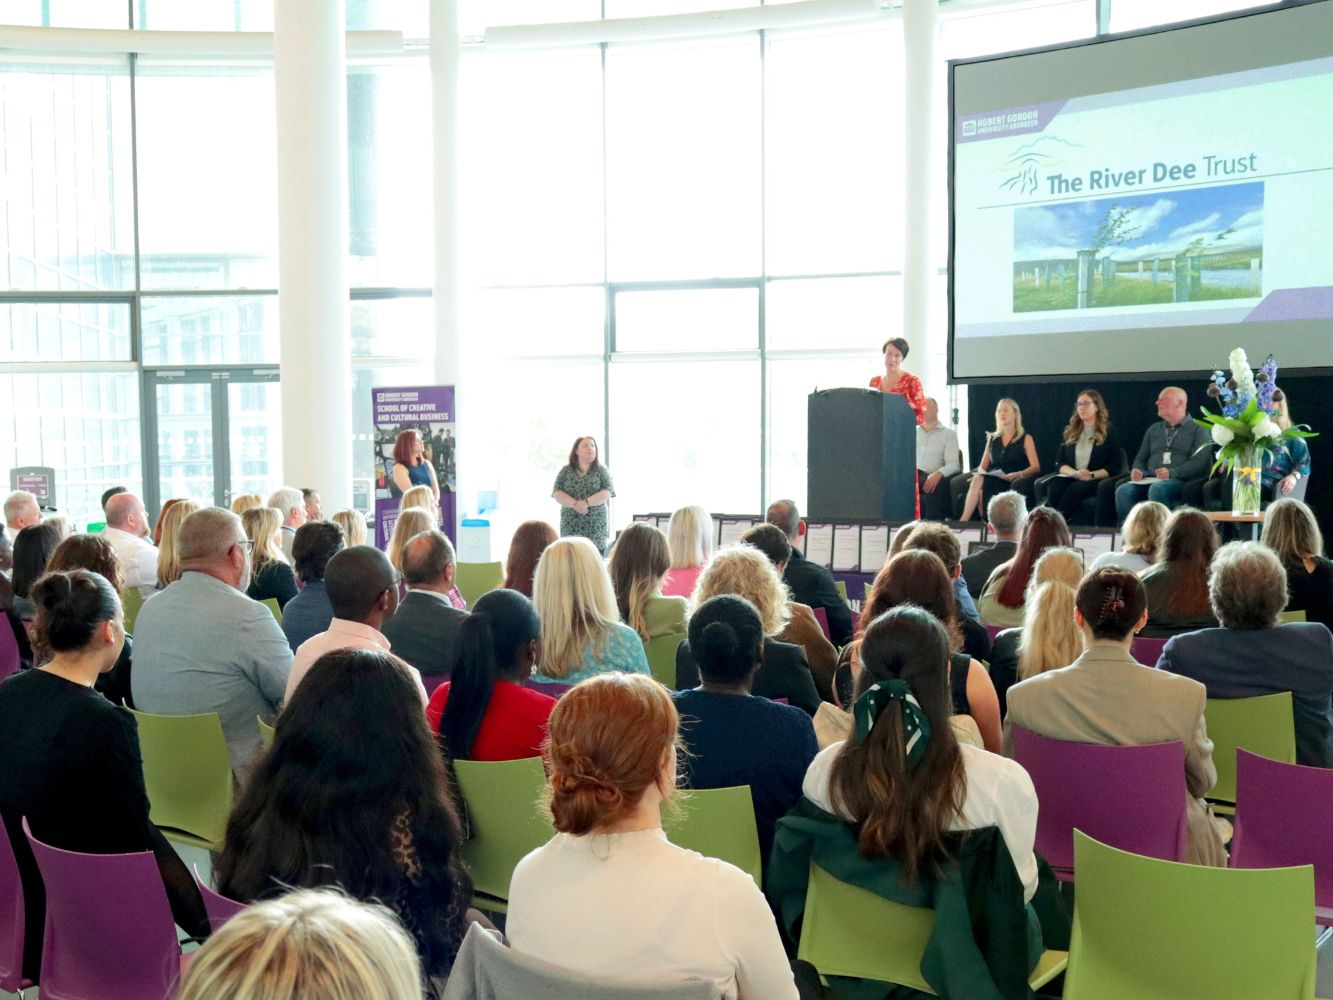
{"x":1010,"y":451}
{"x":937,"y":461}
{"x":1089,"y":453}
{"x":1175,"y":451}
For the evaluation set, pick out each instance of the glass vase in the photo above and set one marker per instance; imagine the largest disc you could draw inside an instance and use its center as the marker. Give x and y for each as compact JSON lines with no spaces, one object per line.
{"x":1247,"y":479}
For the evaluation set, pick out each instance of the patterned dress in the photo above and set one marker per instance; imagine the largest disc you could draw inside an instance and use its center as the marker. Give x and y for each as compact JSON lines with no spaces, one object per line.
{"x":596,"y":524}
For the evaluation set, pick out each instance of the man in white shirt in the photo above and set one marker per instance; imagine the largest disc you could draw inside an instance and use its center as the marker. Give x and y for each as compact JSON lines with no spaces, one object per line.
{"x":127,"y":530}
{"x":362,"y":587}
{"x":291,"y":502}
{"x":936,"y":462}
{"x":21,"y":511}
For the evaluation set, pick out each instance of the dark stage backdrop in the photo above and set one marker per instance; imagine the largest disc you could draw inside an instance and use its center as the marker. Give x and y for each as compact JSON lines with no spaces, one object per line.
{"x":1047,"y":406}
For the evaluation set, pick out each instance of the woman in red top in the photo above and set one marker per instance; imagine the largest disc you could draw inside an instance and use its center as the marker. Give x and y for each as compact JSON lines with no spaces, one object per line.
{"x":907,"y":385}
{"x":483,"y":712}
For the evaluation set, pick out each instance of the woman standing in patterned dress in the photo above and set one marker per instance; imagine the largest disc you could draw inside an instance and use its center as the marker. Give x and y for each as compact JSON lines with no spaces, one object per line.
{"x":904,"y":383}
{"x":583,"y":489}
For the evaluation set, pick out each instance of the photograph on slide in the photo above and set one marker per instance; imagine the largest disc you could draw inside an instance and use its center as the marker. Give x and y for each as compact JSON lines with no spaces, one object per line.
{"x":1191,"y":245}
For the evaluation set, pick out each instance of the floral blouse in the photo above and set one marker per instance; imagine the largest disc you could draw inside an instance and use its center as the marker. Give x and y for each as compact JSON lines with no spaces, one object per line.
{"x":909,"y":387}
{"x":596,"y":524}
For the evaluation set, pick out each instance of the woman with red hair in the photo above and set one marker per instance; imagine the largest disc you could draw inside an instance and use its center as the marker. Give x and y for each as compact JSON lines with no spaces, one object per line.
{"x":1001,"y":603}
{"x":410,"y":467}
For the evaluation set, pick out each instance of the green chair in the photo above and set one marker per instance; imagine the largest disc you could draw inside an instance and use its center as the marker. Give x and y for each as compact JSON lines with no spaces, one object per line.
{"x":1291,"y":616}
{"x":505,"y":822}
{"x":718,"y":823}
{"x":187,"y":774}
{"x":850,"y":931}
{"x":96,"y":527}
{"x":842,"y":590}
{"x":475,"y":579}
{"x":661,"y":651}
{"x":870,"y":588}
{"x":272,"y":604}
{"x":1170,"y":931}
{"x":131,"y":601}
{"x":265,"y":732}
{"x":1262,"y":725}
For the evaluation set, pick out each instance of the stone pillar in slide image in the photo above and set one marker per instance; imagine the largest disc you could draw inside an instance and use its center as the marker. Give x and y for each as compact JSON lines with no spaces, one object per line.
{"x":1086,"y":259}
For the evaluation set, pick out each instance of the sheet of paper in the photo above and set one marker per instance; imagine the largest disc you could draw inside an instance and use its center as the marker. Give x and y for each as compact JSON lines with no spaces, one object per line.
{"x":732,"y":529}
{"x":846,"y":548}
{"x":874,"y":547}
{"x":966,"y":536}
{"x":819,"y":543}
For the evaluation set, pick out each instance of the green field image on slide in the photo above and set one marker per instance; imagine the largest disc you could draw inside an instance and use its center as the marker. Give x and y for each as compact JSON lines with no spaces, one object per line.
{"x":1035,"y":295}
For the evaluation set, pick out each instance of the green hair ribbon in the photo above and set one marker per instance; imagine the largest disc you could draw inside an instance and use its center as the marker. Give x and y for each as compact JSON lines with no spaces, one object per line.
{"x":916,"y":727}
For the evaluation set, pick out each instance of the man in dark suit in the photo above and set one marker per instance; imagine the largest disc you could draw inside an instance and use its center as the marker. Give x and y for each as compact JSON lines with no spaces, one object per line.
{"x":811,"y":583}
{"x":1006,"y":513}
{"x":425,"y":627}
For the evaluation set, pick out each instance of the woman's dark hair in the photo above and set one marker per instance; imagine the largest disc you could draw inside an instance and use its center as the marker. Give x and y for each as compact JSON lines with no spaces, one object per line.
{"x":1044,"y":528}
{"x":726,"y":638}
{"x":352,"y":777}
{"x":489,"y":642}
{"x":903,"y":810}
{"x":1189,"y":542}
{"x":1112,"y":602}
{"x":33,"y":548}
{"x":529,"y":542}
{"x":90,"y":552}
{"x":639,"y":560}
{"x":70,"y":606}
{"x":917,"y":577}
{"x":897,"y":342}
{"x":316,"y":542}
{"x":574,"y":453}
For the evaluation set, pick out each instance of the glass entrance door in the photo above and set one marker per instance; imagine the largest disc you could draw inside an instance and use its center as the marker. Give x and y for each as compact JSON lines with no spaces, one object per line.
{"x":214,"y":434}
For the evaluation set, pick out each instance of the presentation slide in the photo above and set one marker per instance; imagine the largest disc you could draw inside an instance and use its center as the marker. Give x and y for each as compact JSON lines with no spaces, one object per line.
{"x":1151,"y":227}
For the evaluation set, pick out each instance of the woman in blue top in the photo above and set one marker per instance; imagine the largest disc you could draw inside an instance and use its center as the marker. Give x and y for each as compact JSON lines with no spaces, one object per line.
{"x":582,"y":634}
{"x":410,"y":467}
{"x":1285,"y":467}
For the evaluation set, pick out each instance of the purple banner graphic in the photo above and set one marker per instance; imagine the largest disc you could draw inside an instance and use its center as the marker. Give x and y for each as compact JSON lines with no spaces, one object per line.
{"x":1006,"y":123}
{"x":38,"y":486}
{"x":428,"y":410}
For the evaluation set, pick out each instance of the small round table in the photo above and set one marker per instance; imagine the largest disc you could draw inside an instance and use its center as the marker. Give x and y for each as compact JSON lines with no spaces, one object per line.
{"x":1226,"y":517}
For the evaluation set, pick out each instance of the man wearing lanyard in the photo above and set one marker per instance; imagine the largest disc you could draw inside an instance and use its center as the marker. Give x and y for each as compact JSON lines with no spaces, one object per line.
{"x":1175,"y":450}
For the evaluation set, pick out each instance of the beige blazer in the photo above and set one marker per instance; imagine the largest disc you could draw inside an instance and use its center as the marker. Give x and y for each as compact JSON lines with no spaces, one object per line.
{"x":1106,"y":697}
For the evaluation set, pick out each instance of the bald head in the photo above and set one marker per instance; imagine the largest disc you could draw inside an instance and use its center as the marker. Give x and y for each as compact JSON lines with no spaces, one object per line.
{"x":209,"y":534}
{"x":1172,"y":402}
{"x":784,"y":514}
{"x":428,"y":561}
{"x":356,"y":579}
{"x":126,"y":512}
{"x":21,"y":510}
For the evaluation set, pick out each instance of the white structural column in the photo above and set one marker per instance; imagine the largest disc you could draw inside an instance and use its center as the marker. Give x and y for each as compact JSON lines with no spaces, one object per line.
{"x":920,"y":22}
{"x":310,"y":73}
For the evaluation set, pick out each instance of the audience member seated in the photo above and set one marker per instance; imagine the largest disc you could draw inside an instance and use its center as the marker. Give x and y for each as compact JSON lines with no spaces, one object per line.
{"x":314,"y":506}
{"x":582,"y":634}
{"x":156,"y":536}
{"x":424,"y":629}
{"x":1010,"y":452}
{"x":1250,"y":654}
{"x":421,"y":498}
{"x":69,"y":759}
{"x":732,"y":737}
{"x":1142,"y":537}
{"x":744,"y":571}
{"x":108,"y":493}
{"x":128,"y":530}
{"x":609,"y":896}
{"x":1005,"y":515}
{"x":1177,"y":583}
{"x":1283,"y":468}
{"x":202,"y":646}
{"x":33,"y":548}
{"x":308,"y":943}
{"x":943,"y":541}
{"x":353,"y":524}
{"x":11,"y":620}
{"x":918,"y":577}
{"x":242,"y":503}
{"x":690,"y":539}
{"x":1291,"y":531}
{"x":1105,"y":697}
{"x":1089,"y":454}
{"x":802,"y":628}
{"x":529,"y":542}
{"x":291,"y":504}
{"x":21,"y":510}
{"x":96,"y":555}
{"x":271,"y":576}
{"x":354,"y":794}
{"x":1049,"y":639}
{"x":168,"y":530}
{"x":410,"y":523}
{"x":309,"y":612}
{"x":484,"y":711}
{"x":937,"y":462}
{"x":1001,"y":602}
{"x":639,"y":560}
{"x":363,"y":590}
{"x":1175,"y":451}
{"x":811,"y":584}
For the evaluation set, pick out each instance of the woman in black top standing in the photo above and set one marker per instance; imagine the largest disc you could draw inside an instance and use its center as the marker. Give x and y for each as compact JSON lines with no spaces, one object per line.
{"x":1089,"y":453}
{"x":69,"y":759}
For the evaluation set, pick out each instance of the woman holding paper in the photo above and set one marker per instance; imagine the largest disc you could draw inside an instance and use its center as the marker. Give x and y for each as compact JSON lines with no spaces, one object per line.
{"x":1089,"y":453}
{"x":1010,"y":455}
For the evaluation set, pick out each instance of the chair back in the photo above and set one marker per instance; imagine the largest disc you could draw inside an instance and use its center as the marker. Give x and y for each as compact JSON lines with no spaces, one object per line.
{"x":475,"y":579}
{"x":9,"y":648}
{"x":1150,"y":928}
{"x":187,"y":775}
{"x":266,"y":732}
{"x":718,"y":823}
{"x":1147,"y":650}
{"x":504,"y":816}
{"x":994,"y":630}
{"x":661,"y":650}
{"x":1131,"y":797}
{"x":109,"y":933}
{"x":1263,"y":725}
{"x":272,"y":604}
{"x":219,"y":908}
{"x":12,"y":916}
{"x":130,"y":602}
{"x":821,"y":616}
{"x":842,"y":590}
{"x":1284,"y":813}
{"x":1286,"y":617}
{"x":432,"y":681}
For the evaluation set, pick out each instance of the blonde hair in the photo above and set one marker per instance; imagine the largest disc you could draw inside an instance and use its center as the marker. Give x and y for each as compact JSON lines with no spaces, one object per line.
{"x":1144,"y":527}
{"x":572,"y":593}
{"x":412,"y":521}
{"x":419,"y":497}
{"x":1049,"y":639}
{"x":690,"y":537}
{"x":1061,"y":564}
{"x":307,"y":943}
{"x":246,"y":501}
{"x":260,"y":524}
{"x":1018,"y":419}
{"x":746,"y":572}
{"x":1291,"y":530}
{"x":168,"y":552}
{"x":353,"y":526}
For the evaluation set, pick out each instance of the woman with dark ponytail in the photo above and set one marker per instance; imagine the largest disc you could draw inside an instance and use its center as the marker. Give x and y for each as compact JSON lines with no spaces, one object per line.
{"x":733,"y":737}
{"x":483,"y":712}
{"x":69,"y":759}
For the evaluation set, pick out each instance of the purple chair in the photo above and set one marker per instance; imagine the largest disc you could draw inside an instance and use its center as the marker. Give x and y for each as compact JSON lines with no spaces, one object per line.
{"x":219,"y":908}
{"x":992,"y":631}
{"x":1132,"y":798}
{"x":12,"y":913}
{"x":109,"y":932}
{"x":821,"y":616}
{"x":1284,"y":815}
{"x":432,"y":681}
{"x":552,"y":690}
{"x":1147,"y":651}
{"x":9,"y":648}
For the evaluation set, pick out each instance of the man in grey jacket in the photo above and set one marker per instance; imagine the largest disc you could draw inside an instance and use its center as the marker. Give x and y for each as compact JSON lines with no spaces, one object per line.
{"x":425,"y":628}
{"x":1175,"y":451}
